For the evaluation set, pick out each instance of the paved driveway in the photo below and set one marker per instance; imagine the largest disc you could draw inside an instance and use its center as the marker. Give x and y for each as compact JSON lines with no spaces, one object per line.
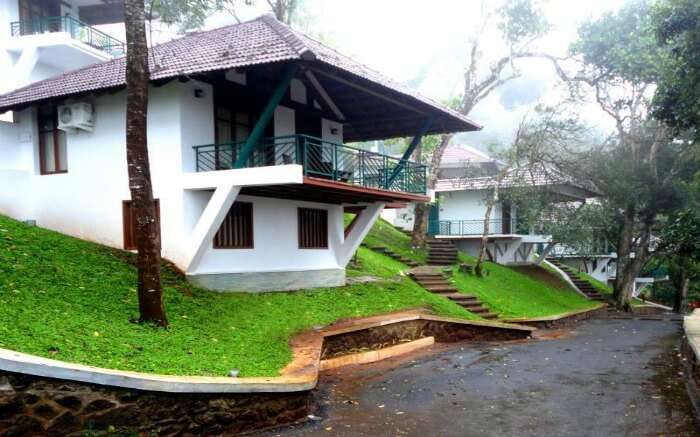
{"x":604,"y":378}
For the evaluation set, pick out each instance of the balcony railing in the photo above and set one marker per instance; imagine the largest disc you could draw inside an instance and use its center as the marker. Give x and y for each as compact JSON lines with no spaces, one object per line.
{"x":476,"y":227}
{"x":76,"y":28}
{"x":322,"y":159}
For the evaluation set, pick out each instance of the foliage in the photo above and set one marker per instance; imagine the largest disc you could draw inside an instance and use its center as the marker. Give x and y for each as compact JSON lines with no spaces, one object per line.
{"x":69,"y":299}
{"x":521,"y":21}
{"x":677,"y":99}
{"x":187,"y":14}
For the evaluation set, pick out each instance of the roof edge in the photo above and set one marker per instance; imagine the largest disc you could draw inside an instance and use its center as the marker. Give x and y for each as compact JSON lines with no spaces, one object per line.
{"x":286,"y":33}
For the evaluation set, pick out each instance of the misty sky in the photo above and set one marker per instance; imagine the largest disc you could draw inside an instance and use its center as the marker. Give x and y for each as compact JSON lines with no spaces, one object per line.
{"x":423,"y":43}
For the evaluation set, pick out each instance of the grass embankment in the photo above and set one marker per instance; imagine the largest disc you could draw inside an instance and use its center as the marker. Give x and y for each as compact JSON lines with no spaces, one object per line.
{"x":511,"y":293}
{"x":72,"y":300}
{"x":383,"y":234}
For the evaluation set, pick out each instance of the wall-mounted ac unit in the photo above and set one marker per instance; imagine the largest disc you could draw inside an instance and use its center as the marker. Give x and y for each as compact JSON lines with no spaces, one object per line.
{"x":75,"y":116}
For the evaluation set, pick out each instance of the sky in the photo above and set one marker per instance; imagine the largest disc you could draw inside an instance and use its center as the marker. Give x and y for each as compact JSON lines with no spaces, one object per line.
{"x":424,"y":44}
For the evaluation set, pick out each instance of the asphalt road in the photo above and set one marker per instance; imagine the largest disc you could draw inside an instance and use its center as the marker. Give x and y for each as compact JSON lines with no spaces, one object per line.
{"x":603,"y":378}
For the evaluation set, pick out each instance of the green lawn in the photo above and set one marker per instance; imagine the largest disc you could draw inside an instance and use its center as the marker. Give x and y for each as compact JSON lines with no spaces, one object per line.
{"x":511,"y":294}
{"x":385,"y":235}
{"x":72,"y":300}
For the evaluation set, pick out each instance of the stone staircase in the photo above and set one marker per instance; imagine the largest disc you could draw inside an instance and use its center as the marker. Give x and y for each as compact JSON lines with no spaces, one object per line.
{"x":441,"y":252}
{"x":433,"y":279}
{"x":391,"y":254}
{"x":586,"y":287}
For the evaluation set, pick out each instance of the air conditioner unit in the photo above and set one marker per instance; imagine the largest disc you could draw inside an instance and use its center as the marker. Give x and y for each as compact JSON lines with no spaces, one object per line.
{"x":75,"y":116}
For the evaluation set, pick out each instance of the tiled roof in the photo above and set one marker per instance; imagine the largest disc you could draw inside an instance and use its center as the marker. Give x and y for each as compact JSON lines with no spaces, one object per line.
{"x":540,"y":176}
{"x":260,"y":41}
{"x":456,"y":155}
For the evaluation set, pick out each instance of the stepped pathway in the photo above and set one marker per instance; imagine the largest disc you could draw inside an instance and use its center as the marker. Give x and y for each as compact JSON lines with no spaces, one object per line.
{"x":391,"y":254}
{"x":433,"y":279}
{"x":586,"y":287}
{"x":441,"y":252}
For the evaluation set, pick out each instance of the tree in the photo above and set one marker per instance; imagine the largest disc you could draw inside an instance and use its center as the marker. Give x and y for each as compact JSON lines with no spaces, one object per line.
{"x":284,"y":10}
{"x":680,"y":244}
{"x":532,"y":156}
{"x":520,"y":23}
{"x":150,"y":292}
{"x":617,"y":63}
{"x":677,"y":99}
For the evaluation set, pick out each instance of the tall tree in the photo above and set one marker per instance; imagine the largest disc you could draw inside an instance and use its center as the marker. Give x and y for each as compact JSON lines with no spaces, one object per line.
{"x":150,"y":292}
{"x":677,"y":99}
{"x":616,"y":63}
{"x":520,"y":24}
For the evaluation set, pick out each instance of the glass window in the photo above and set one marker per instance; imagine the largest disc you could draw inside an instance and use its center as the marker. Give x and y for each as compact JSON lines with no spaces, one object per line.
{"x":53,"y":150}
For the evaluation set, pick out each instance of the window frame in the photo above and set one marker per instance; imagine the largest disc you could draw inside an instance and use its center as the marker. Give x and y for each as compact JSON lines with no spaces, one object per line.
{"x":249,"y":231}
{"x":312,"y":242}
{"x":56,"y":133}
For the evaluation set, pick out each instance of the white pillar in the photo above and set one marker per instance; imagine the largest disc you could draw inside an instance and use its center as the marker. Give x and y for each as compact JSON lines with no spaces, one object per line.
{"x":363,"y":224}
{"x":210,"y":221}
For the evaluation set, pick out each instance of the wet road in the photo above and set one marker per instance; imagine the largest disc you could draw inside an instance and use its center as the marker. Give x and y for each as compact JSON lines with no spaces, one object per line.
{"x":603,"y":378}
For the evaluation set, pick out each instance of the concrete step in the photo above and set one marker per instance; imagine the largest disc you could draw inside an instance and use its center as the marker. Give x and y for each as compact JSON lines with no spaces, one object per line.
{"x":480,"y":310}
{"x":461,"y":297}
{"x":441,"y":288}
{"x":489,"y":316}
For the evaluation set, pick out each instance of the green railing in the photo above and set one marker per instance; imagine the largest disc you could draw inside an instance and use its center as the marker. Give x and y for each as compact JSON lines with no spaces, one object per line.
{"x":322,"y":159}
{"x":76,"y":28}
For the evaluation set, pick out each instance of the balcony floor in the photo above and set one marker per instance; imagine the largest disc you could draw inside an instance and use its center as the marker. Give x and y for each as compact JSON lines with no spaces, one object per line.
{"x":328,"y":191}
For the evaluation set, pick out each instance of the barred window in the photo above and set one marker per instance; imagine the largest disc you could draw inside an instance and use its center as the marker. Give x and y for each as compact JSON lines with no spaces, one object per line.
{"x":236,"y":231}
{"x":313,"y":228}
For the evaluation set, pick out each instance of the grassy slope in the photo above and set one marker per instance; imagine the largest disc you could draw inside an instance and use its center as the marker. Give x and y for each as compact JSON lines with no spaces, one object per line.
{"x":513,"y":294}
{"x":386,"y":235}
{"x":72,"y":300}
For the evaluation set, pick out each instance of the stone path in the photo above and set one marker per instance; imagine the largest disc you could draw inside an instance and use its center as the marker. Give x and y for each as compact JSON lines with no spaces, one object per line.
{"x":604,"y":378}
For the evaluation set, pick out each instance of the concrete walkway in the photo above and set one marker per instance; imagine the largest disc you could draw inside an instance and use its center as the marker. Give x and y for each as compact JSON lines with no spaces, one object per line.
{"x":605,"y":377}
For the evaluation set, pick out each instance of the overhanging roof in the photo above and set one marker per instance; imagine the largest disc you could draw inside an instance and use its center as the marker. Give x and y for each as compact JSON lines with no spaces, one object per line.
{"x":395,"y":109}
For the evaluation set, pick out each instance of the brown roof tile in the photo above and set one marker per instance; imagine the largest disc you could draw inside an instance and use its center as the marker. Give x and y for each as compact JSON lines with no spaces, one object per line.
{"x":262,"y":40}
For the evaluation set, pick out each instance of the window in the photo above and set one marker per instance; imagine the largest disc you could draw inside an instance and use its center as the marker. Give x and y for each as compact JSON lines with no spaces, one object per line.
{"x":129,"y":223}
{"x":230,"y":127}
{"x":236,"y":231}
{"x":313,"y":228}
{"x":53,"y":154}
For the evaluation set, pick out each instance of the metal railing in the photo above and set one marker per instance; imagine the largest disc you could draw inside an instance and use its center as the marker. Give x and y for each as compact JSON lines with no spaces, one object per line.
{"x":77,"y":29}
{"x":476,"y":227}
{"x":322,"y":159}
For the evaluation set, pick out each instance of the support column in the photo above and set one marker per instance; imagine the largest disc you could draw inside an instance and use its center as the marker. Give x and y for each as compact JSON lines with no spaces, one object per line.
{"x":210,"y":221}
{"x":547,"y":249}
{"x":364,"y":222}
{"x":411,"y":148}
{"x":266,"y":116}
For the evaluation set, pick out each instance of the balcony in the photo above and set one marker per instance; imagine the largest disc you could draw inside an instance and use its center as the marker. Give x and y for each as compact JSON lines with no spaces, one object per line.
{"x":476,"y":227}
{"x":74,"y":27}
{"x":320,"y":159}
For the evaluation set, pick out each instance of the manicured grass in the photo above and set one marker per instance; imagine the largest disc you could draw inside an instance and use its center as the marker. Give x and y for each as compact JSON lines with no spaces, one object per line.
{"x":602,"y":287}
{"x":385,"y":235}
{"x":513,"y":294}
{"x":368,"y":262}
{"x":72,"y":300}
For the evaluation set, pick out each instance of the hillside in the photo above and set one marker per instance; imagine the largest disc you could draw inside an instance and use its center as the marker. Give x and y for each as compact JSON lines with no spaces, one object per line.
{"x":72,"y":300}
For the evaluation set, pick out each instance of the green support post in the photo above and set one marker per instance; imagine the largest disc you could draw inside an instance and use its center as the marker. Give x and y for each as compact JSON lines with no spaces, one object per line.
{"x":266,"y":116}
{"x":411,"y":147}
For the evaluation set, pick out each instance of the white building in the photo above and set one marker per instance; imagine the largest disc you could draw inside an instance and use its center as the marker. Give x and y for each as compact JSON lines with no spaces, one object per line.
{"x":246,"y":132}
{"x":465,"y":182}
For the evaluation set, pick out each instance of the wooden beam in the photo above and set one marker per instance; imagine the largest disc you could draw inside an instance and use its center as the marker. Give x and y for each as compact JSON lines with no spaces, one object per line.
{"x":324,"y":95}
{"x":367,"y":90}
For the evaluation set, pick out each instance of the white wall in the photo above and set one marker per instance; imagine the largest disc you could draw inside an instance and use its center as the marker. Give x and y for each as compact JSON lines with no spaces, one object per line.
{"x":275,"y":239}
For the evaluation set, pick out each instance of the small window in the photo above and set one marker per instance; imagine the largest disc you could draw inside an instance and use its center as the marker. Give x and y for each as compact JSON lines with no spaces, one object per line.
{"x":130,"y":223}
{"x":313,"y":228}
{"x":236,"y":231}
{"x":53,"y":154}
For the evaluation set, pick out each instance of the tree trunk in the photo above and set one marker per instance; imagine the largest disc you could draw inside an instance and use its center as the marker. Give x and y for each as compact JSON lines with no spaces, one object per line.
{"x":682,"y":285}
{"x":147,"y":230}
{"x":623,"y":287}
{"x":479,"y":268}
{"x":420,"y":224}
